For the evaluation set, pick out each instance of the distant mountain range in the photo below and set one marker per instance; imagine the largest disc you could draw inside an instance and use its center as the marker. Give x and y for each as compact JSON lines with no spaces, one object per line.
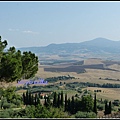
{"x":98,"y":45}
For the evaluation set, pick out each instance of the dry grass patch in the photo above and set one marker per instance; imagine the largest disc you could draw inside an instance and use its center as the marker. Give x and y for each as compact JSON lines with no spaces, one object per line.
{"x":107,"y":93}
{"x":20,"y":92}
{"x":91,"y":75}
{"x":92,"y":61}
{"x":114,"y":66}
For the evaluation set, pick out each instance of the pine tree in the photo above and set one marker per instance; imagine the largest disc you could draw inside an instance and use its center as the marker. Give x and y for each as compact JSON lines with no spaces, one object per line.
{"x":95,"y":104}
{"x":15,"y":65}
{"x":30,"y":64}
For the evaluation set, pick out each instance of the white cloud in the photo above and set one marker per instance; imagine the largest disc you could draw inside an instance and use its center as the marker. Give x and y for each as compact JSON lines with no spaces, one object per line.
{"x":13,"y":29}
{"x":25,"y":31}
{"x":30,"y":32}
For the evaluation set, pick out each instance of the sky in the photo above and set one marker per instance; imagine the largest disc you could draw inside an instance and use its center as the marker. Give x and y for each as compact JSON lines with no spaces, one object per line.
{"x":35,"y":23}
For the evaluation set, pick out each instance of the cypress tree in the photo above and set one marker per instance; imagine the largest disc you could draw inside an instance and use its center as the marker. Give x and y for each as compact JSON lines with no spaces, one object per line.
{"x":27,"y":97}
{"x":106,"y":108}
{"x":76,"y":105}
{"x":39,"y":94}
{"x":38,"y":100}
{"x":110,"y":108}
{"x":66,"y":103}
{"x":95,"y":104}
{"x":32,"y":100}
{"x":55,"y":100}
{"x":58,"y":100}
{"x":45,"y":103}
{"x":72,"y":105}
{"x":35,"y":99}
{"x":69,"y":105}
{"x":30,"y":103}
{"x":24,"y":99}
{"x":48,"y":101}
{"x":62,"y":99}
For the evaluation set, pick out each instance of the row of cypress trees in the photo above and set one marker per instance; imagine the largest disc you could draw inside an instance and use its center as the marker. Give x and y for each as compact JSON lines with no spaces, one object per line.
{"x":73,"y":105}
{"x":29,"y":99}
{"x":58,"y":99}
{"x":86,"y":104}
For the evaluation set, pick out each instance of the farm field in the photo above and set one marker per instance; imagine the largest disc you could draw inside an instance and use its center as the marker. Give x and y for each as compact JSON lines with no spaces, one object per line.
{"x":91,"y":75}
{"x":97,"y":76}
{"x":94,"y":73}
{"x":106,"y":93}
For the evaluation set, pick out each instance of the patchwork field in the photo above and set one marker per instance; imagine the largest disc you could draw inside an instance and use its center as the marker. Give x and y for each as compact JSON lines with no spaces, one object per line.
{"x":98,"y":76}
{"x":91,"y":75}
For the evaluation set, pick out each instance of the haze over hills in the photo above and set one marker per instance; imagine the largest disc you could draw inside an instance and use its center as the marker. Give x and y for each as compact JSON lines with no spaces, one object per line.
{"x":101,"y":46}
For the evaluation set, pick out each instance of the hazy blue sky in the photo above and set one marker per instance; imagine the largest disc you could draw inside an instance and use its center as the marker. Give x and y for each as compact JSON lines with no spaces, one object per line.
{"x":25,"y":24}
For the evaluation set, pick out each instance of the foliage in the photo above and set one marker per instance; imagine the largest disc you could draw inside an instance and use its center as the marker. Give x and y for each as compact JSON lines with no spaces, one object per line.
{"x":29,"y":99}
{"x":80,"y":114}
{"x":87,"y":103}
{"x":100,"y":107}
{"x":108,"y":108}
{"x":11,"y":65}
{"x":14,"y":65}
{"x":55,"y":100}
{"x":4,"y":114}
{"x":6,"y":105}
{"x":95,"y":104}
{"x":30,"y":64}
{"x":42,"y":112}
{"x":88,"y":84}
{"x":10,"y":94}
{"x":55,"y":79}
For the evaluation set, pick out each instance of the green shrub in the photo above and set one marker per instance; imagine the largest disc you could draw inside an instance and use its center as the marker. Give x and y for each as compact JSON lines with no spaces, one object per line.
{"x":4,"y":114}
{"x":100,"y":107}
{"x":13,"y":105}
{"x":80,"y":114}
{"x":18,"y":103}
{"x":6,"y":105}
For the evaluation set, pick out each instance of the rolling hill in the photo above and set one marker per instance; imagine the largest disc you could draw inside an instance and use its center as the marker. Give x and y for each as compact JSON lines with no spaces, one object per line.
{"x":98,"y":45}
{"x":96,"y":48}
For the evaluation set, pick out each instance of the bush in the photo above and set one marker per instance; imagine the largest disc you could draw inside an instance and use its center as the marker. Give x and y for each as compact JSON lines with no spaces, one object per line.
{"x":79,"y":90}
{"x":4,"y":114}
{"x":6,"y":105}
{"x":18,"y":102}
{"x":100,"y":107}
{"x":76,"y":95}
{"x":14,"y":101}
{"x":80,"y":114}
{"x":13,"y":105}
